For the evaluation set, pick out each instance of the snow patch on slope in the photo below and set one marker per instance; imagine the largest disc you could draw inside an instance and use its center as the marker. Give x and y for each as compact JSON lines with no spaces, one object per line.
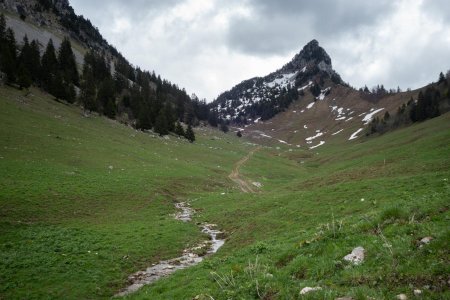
{"x":319,"y":134}
{"x":318,"y":145}
{"x":337,"y":132}
{"x":282,"y":81}
{"x":355,"y":134}
{"x":370,"y":115}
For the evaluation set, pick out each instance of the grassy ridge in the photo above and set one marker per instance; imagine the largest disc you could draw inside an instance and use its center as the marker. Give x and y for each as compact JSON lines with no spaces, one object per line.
{"x":86,"y":201}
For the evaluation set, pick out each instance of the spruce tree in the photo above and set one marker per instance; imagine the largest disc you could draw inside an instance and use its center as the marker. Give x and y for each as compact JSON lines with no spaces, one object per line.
{"x":106,"y":97}
{"x":49,"y":68}
{"x":143,"y":113}
{"x":179,"y":129}
{"x":420,"y":109}
{"x":2,"y":28}
{"x":224,"y":127}
{"x":67,"y":64}
{"x":10,"y":40}
{"x":8,"y":56}
{"x":24,"y":73}
{"x":170,"y":117}
{"x":441,"y":78}
{"x":212,"y":118}
{"x":161,"y":124}
{"x":57,"y":87}
{"x":33,"y":62}
{"x":88,"y":92}
{"x":190,"y":136}
{"x":23,"y":77}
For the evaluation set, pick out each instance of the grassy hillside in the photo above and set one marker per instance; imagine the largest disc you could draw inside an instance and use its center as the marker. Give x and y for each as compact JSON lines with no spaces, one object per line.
{"x":85,"y":201}
{"x":384,"y":194}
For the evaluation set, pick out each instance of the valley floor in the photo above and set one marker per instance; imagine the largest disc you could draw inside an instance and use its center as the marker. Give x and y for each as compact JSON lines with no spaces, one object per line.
{"x":86,"y":201}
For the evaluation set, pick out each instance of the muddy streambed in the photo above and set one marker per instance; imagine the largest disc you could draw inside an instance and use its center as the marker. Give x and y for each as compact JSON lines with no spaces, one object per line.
{"x":190,"y":257}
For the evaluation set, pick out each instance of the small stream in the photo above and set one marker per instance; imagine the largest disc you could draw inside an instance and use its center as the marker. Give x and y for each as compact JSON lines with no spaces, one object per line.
{"x":191,"y":256}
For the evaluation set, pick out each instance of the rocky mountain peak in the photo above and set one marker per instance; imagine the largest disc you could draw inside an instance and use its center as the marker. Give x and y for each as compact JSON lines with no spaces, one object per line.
{"x":311,"y":55}
{"x":263,"y":97}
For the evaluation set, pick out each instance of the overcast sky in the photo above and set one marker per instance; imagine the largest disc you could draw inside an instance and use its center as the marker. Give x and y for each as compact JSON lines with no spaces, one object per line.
{"x":208,"y":46}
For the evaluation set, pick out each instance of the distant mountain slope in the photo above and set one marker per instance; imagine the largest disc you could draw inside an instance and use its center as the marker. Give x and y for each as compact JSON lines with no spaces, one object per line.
{"x":109,"y":84}
{"x":341,"y":116}
{"x":264,"y":97}
{"x":306,"y":104}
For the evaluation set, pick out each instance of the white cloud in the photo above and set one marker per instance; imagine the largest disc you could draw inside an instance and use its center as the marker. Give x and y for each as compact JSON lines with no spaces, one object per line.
{"x":209,"y":46}
{"x":405,"y":48}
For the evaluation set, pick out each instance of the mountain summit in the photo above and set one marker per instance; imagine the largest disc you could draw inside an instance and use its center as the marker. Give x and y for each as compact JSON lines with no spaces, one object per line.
{"x":263,"y":97}
{"x":312,"y":55}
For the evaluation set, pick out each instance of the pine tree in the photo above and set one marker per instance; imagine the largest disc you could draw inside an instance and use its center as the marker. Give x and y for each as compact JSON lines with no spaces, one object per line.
{"x":67,"y":64}
{"x":106,"y":98}
{"x":179,"y":129}
{"x":71,"y":94}
{"x":8,"y":56}
{"x":57,"y":87}
{"x":161,"y":124}
{"x":23,"y":77}
{"x":170,"y":117}
{"x":212,"y":118}
{"x":2,"y":28}
{"x":88,"y":92}
{"x":441,"y":78}
{"x":24,"y":73}
{"x":10,"y":40}
{"x":33,"y":62}
{"x":190,"y":136}
{"x":49,"y":68}
{"x":224,"y":127}
{"x":144,"y":121}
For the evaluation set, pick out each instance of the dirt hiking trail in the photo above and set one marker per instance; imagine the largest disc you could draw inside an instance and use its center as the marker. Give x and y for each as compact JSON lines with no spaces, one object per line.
{"x":235,"y":174}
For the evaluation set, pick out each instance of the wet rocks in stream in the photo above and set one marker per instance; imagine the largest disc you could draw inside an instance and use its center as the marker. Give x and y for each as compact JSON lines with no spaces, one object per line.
{"x":190,"y":257}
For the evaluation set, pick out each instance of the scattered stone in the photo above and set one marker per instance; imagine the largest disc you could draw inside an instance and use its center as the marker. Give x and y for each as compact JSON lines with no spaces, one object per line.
{"x":110,"y":167}
{"x":417,"y":292}
{"x":257,"y":184}
{"x":202,"y":297}
{"x":356,"y":257}
{"x":344,"y":298}
{"x":426,"y":240}
{"x":402,"y":297}
{"x":308,"y":289}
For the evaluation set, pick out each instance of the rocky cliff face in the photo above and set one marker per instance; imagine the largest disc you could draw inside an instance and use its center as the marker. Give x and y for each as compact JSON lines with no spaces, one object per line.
{"x":264,"y":97}
{"x":38,"y":12}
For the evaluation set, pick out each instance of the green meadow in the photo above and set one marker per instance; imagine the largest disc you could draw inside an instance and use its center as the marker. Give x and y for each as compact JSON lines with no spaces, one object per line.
{"x":86,"y":201}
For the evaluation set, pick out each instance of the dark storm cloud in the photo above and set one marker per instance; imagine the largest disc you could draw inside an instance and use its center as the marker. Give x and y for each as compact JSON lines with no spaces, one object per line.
{"x":275,"y":27}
